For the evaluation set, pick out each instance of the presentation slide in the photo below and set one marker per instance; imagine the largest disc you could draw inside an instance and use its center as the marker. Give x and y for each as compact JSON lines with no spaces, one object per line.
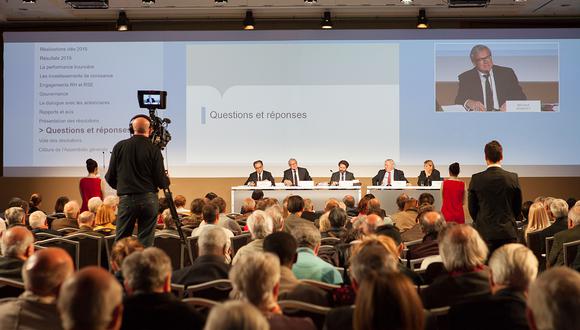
{"x":234,"y":97}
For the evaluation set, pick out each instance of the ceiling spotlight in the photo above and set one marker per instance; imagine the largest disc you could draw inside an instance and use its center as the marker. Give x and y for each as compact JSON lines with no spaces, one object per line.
{"x":148,"y":2}
{"x":249,"y":22}
{"x":326,"y":21}
{"x":29,"y":1}
{"x":310,"y":2}
{"x":221,"y":2}
{"x":123,"y":22}
{"x":407,"y":2}
{"x":422,"y":22}
{"x":520,"y":1}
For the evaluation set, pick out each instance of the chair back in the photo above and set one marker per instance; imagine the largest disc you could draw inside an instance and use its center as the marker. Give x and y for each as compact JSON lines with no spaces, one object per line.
{"x":295,"y":308}
{"x":330,"y":241}
{"x":70,"y":246}
{"x":217,"y":290}
{"x":10,"y":288}
{"x":171,"y":245}
{"x":90,"y":249}
{"x":109,"y":242}
{"x":240,"y":240}
{"x":570,"y":251}
{"x":330,"y":254}
{"x":201,"y":305}
{"x":439,"y":317}
{"x":549,"y":243}
{"x":192,"y":244}
{"x":42,"y":236}
{"x":67,"y":230}
{"x":321,"y":285}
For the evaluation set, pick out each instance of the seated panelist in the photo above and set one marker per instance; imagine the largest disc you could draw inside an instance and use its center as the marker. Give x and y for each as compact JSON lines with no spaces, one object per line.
{"x":429,"y":174}
{"x":259,"y":175}
{"x":342,"y":174}
{"x":386,"y":176}
{"x":295,"y":174}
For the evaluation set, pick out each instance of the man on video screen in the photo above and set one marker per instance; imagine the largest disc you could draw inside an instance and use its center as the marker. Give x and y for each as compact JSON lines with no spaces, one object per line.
{"x":487,"y":87}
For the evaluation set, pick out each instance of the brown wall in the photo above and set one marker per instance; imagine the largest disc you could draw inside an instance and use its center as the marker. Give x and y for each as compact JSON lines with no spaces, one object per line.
{"x":51,"y":188}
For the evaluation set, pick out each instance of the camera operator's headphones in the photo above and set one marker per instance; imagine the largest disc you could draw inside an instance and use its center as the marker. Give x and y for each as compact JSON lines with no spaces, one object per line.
{"x":131,"y":130}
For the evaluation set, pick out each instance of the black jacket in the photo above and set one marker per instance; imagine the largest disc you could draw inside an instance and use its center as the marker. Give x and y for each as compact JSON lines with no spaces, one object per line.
{"x":507,"y":86}
{"x":265,"y":176}
{"x":397,"y":174}
{"x":204,"y":269}
{"x":303,"y":175}
{"x":424,"y":180}
{"x":335,"y":177}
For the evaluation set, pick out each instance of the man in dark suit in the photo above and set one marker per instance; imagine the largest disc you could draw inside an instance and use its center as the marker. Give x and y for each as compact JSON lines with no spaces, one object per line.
{"x":495,"y":200}
{"x":71,"y":211}
{"x":295,"y":207}
{"x":295,"y":174}
{"x":17,"y":246}
{"x":259,"y":175}
{"x":559,"y":211}
{"x":388,"y":175}
{"x":342,"y":174}
{"x":487,"y":87}
{"x":556,"y":256}
{"x":432,"y":223}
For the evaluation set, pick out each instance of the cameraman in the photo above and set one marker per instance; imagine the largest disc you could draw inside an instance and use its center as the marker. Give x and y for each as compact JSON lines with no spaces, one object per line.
{"x":136,"y":171}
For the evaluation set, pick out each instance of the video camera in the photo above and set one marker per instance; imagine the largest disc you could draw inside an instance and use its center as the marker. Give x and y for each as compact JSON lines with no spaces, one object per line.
{"x":154,"y":100}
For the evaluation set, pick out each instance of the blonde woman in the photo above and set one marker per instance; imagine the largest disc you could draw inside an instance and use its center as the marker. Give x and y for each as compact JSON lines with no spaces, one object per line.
{"x":105,"y":218}
{"x":538,"y":219}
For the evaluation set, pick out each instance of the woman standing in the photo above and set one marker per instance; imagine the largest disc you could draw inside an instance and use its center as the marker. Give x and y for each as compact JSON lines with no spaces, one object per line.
{"x":91,"y":185}
{"x":453,"y":194}
{"x":429,"y":174}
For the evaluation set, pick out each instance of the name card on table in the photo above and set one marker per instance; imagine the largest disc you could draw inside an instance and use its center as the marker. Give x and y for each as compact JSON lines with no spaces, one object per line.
{"x":348,"y":183}
{"x":264,"y":184}
{"x":399,"y":184}
{"x":523,"y":106}
{"x":306,"y":184}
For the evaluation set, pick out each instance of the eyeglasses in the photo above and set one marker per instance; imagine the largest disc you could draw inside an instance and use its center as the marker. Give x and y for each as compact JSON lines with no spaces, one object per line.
{"x":483,"y":59}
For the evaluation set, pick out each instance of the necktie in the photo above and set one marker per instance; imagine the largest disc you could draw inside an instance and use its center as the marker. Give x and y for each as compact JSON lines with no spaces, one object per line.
{"x":342,"y":177}
{"x":389,"y":179}
{"x":488,"y":94}
{"x":260,"y":177}
{"x":295,"y":178}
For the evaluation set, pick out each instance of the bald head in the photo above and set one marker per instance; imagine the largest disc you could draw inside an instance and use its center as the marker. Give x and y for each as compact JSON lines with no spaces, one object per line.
{"x":45,"y":271}
{"x":431,"y":222}
{"x":141,"y":126}
{"x":371,"y":223}
{"x":91,"y":299}
{"x":17,"y":242}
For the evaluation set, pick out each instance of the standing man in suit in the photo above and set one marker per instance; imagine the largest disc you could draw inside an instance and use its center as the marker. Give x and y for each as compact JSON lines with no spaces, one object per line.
{"x":487,"y":87}
{"x":495,"y":200}
{"x":342,"y":174}
{"x":259,"y":175}
{"x":295,"y":174}
{"x":388,"y":175}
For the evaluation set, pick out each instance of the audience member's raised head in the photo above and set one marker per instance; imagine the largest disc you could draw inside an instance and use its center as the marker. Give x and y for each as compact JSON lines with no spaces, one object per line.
{"x":210,"y":196}
{"x":401,"y":200}
{"x":86,"y":219}
{"x":213,"y":241}
{"x":256,"y":278}
{"x":349,"y":201}
{"x":15,"y":216}
{"x":105,"y":215}
{"x":454,"y":169}
{"x":553,"y":300}
{"x":493,"y":152}
{"x":411,"y":203}
{"x":236,"y":315}
{"x":45,"y":271}
{"x":388,"y":301}
{"x":337,"y":217}
{"x":248,"y":205}
{"x":72,"y":209}
{"x":257,"y":194}
{"x":308,"y":205}
{"x":167,"y":219}
{"x":307,"y":236}
{"x":283,"y":245}
{"x":94,"y":203}
{"x":111,"y":201}
{"x":371,"y":257}
{"x":123,"y":248}
{"x":210,"y":213}
{"x":275,"y":213}
{"x":147,"y":271}
{"x":196,"y":206}
{"x":363,"y":205}
{"x":431,"y":222}
{"x":426,"y":198}
{"x":179,"y":201}
{"x":60,"y":203}
{"x":559,"y":208}
{"x":91,"y":300}
{"x":574,"y":217}
{"x":371,"y":223}
{"x":295,"y":204}
{"x":330,"y":204}
{"x":390,"y":231}
{"x":35,"y":200}
{"x":513,"y":266}
{"x":37,"y":220}
{"x":260,"y":224}
{"x":17,"y":242}
{"x":220,"y":203}
{"x":19,"y":202}
{"x":538,"y":218}
{"x":462,"y":249}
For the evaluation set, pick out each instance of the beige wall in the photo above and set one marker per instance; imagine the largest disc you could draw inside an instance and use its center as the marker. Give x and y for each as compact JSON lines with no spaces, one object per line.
{"x":51,"y":188}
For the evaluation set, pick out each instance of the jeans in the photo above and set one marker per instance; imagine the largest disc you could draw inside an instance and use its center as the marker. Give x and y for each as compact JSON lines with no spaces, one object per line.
{"x":139,"y":208}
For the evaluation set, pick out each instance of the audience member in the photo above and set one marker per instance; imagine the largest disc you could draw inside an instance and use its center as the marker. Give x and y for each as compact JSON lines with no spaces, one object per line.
{"x":337,"y":217}
{"x":571,"y":201}
{"x":432,"y":223}
{"x":248,"y":206}
{"x":210,"y":265}
{"x":370,"y":224}
{"x":256,"y":278}
{"x":349,"y":202}
{"x":416,"y":233}
{"x":86,"y":222}
{"x":295,"y":208}
{"x":525,"y":214}
{"x":275,"y":213}
{"x":559,"y":210}
{"x":308,"y":265}
{"x":179,"y":201}
{"x":71,"y":212}
{"x":58,"y":210}
{"x":17,"y":245}
{"x":195,"y":218}
{"x":15,"y":216}
{"x":91,"y":300}
{"x":43,"y":274}
{"x":211,"y":219}
{"x":556,"y":256}
{"x":463,"y":253}
{"x":513,"y":268}
{"x":392,"y":232}
{"x":426,"y":198}
{"x":94,"y":203}
{"x":260,"y":225}
{"x":554,"y":300}
{"x":19,"y":202}
{"x":236,"y":315}
{"x":308,"y":211}
{"x":538,"y":219}
{"x":104,"y":219}
{"x":209,"y":197}
{"x":257,"y":194}
{"x":224,"y":220}
{"x":121,"y":249}
{"x":38,"y":223}
{"x":150,"y":304}
{"x":407,"y":218}
{"x":34,"y":203}
{"x":169,"y":226}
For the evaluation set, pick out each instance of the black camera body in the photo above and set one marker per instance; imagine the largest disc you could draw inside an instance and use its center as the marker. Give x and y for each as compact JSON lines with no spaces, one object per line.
{"x":154,"y":100}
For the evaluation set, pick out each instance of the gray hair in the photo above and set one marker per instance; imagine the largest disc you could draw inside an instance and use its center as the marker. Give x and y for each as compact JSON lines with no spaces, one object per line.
{"x":146,"y":270}
{"x":260,"y":224}
{"x":514,"y":265}
{"x":168,"y":222}
{"x":14,"y":215}
{"x":574,"y":215}
{"x":553,"y":299}
{"x":71,"y":209}
{"x":236,"y":315}
{"x":94,"y":203}
{"x":254,"y":278}
{"x":37,"y":219}
{"x":559,"y":208}
{"x":477,"y":49}
{"x":306,"y":235}
{"x":292,"y":159}
{"x":461,"y":248}
{"x":212,"y":240}
{"x":15,"y":241}
{"x":111,"y":200}
{"x":275,"y":213}
{"x":86,"y":218}
{"x":431,"y":227}
{"x":371,"y":259}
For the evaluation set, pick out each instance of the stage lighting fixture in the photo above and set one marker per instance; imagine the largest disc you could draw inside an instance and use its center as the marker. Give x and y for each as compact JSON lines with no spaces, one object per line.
{"x":249,"y":22}
{"x":407,"y":2}
{"x":422,"y":22}
{"x":310,"y":2}
{"x":221,"y":2}
{"x":148,"y":2}
{"x":326,"y":21}
{"x":29,"y":1}
{"x":123,"y":22}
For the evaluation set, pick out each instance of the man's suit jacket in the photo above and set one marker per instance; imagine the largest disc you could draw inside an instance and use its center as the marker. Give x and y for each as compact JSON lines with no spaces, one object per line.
{"x":27,"y":312}
{"x":204,"y":269}
{"x":64,"y":223}
{"x":303,"y":175}
{"x":556,"y":256}
{"x":335,"y":177}
{"x":293,"y":220}
{"x":448,"y":290}
{"x":397,"y":174}
{"x":265,"y":176}
{"x":507,"y":86}
{"x":495,"y":201}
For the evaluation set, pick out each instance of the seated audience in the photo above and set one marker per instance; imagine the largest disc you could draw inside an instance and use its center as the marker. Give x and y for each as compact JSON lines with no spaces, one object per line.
{"x":538,"y":219}
{"x":559,"y":211}
{"x":104,"y":219}
{"x":86,"y":222}
{"x":463,"y":253}
{"x":91,"y":299}
{"x":38,"y":223}
{"x":295,"y":207}
{"x":426,"y":199}
{"x":94,"y":203}
{"x":513,"y":268}
{"x":17,"y":245}
{"x":224,"y":220}
{"x":34,"y":203}
{"x":556,"y":255}
{"x":416,"y":233}
{"x":431,"y":223}
{"x":275,"y":213}
{"x":350,"y":204}
{"x":196,"y":217}
{"x":248,"y":206}
{"x":236,"y":315}
{"x":211,"y":263}
{"x":71,"y":212}
{"x":150,"y":304}
{"x":571,"y":201}
{"x":407,"y":218}
{"x":260,"y":225}
{"x":169,"y":226}
{"x":308,"y":212}
{"x":553,"y":301}
{"x":211,"y":219}
{"x":370,"y":224}
{"x":374,"y":206}
{"x":15,"y":216}
{"x":337,"y":217}
{"x":179,"y":201}
{"x":43,"y":273}
{"x":210,"y":196}
{"x":121,"y":249}
{"x":392,"y":232}
{"x":58,"y":210}
{"x":257,"y":194}
{"x":309,"y":265}
{"x":256,"y":278}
